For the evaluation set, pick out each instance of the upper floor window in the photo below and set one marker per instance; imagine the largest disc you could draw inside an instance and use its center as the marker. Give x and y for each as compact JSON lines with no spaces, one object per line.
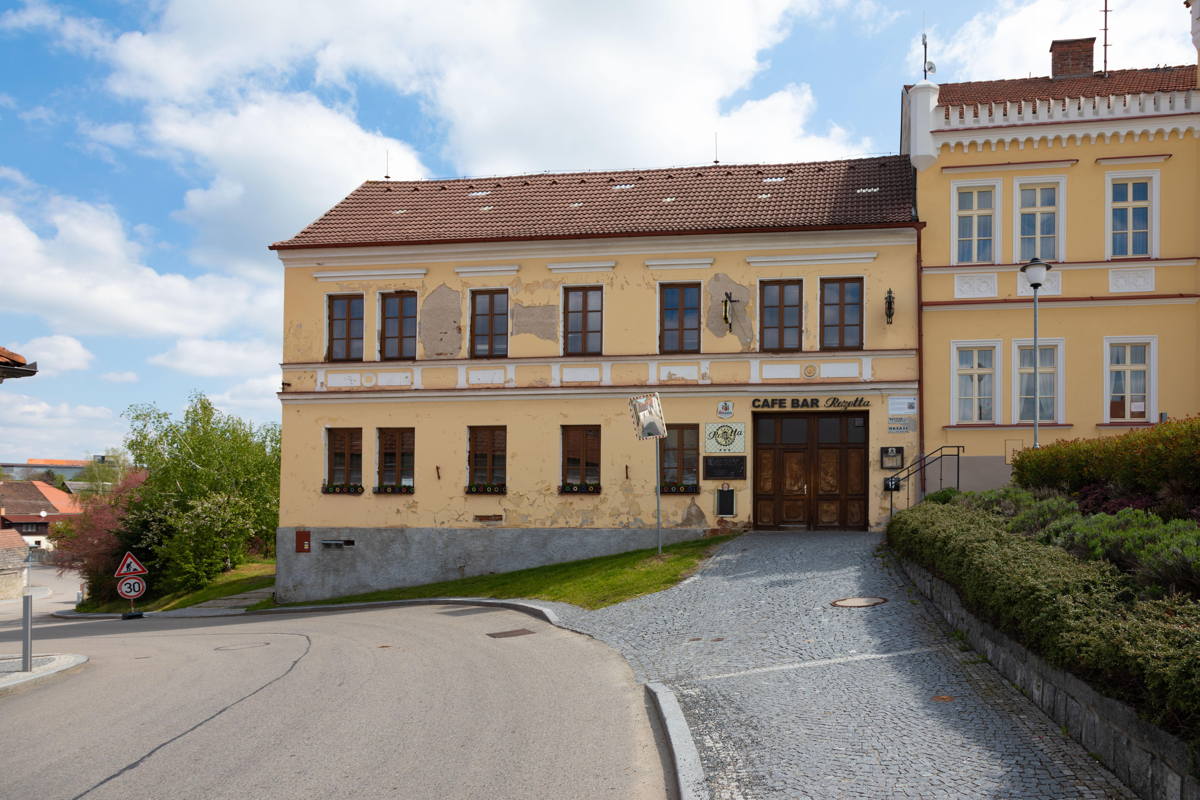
{"x":679,"y":318}
{"x":583,"y":321}
{"x":398,"y":331}
{"x":1128,"y":385}
{"x":344,"y":446}
{"x":345,"y":328}
{"x":841,"y":314}
{"x":1038,"y":221}
{"x":779,"y":310}
{"x":1130,"y":209}
{"x":489,"y":323}
{"x":974,"y":228}
{"x":396,"y":456}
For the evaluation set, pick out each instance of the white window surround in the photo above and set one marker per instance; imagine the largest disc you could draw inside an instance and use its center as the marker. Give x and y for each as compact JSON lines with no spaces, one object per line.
{"x":997,"y":222}
{"x":1151,"y":376}
{"x":1060,"y":217}
{"x":998,"y":393}
{"x":1060,"y":400}
{"x":1155,"y":209}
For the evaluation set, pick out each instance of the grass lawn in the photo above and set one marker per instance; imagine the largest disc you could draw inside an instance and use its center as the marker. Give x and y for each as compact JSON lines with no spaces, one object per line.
{"x":254,"y":574}
{"x":591,"y":583}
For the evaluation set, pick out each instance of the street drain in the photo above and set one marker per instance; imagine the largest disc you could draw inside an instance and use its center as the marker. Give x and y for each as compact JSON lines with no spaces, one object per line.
{"x":859,"y":602}
{"x":507,"y":634}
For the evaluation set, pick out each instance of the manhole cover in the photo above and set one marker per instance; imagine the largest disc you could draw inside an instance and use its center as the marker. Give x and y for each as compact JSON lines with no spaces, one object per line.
{"x":506,"y":634}
{"x":942,"y":698}
{"x":858,"y":602}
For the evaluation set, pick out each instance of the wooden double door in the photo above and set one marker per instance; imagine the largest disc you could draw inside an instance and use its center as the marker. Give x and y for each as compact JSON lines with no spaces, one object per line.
{"x":810,"y":471}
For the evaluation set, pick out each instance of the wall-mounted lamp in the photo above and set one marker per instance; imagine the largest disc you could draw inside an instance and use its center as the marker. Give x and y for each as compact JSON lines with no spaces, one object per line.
{"x":889,"y":305}
{"x":726,"y":310}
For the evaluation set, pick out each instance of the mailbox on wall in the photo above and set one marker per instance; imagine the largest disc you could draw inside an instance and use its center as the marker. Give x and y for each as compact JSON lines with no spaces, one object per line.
{"x":891,"y":457}
{"x":303,"y":542}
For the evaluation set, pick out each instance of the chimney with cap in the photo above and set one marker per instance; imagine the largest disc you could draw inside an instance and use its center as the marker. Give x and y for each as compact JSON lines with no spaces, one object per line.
{"x":1071,"y":58}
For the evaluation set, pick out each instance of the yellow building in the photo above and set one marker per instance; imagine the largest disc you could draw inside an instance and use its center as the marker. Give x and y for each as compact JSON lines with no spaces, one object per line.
{"x":1098,"y":174}
{"x":459,"y":357}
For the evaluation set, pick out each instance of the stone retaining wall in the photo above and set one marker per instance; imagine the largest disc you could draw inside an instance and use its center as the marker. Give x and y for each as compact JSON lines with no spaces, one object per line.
{"x":1153,"y":763}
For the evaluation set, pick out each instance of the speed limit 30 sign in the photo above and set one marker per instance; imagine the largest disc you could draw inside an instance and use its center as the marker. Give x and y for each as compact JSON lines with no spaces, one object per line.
{"x":131,"y":587}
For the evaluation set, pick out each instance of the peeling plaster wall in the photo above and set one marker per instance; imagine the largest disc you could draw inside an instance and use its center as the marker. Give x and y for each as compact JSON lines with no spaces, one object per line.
{"x":440,"y":323}
{"x":741,"y":313}
{"x":540,"y":321}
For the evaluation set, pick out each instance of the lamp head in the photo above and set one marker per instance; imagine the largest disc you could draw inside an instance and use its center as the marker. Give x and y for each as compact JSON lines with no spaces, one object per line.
{"x":1035,"y":272}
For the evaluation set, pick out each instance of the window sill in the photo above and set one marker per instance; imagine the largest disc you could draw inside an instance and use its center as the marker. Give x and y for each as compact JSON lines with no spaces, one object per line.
{"x":393,"y":490}
{"x":1126,"y":424}
{"x":990,"y":425}
{"x":342,"y":488}
{"x":687,"y":489}
{"x":579,"y":488}
{"x":486,"y":488}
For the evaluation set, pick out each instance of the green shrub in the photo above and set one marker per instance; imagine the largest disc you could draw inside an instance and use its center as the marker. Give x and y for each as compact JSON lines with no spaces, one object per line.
{"x":1081,"y":616}
{"x":943,"y":496}
{"x":1163,"y":556}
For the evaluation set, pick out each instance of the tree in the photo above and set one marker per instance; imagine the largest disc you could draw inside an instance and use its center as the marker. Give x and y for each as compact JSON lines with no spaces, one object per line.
{"x":90,"y":543}
{"x":208,"y":538}
{"x":102,"y":476}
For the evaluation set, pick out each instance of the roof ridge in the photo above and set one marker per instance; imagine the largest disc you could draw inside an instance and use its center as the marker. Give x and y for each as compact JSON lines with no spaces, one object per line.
{"x":1095,"y":75}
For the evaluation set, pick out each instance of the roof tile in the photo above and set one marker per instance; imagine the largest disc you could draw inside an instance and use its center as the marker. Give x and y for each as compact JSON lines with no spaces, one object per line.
{"x":1118,"y":82}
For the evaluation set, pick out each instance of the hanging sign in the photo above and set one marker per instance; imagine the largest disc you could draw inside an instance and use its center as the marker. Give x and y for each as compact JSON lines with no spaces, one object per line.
{"x":725,"y":409}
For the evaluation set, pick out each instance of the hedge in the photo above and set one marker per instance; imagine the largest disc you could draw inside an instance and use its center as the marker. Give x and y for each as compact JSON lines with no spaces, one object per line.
{"x":1080,"y":616}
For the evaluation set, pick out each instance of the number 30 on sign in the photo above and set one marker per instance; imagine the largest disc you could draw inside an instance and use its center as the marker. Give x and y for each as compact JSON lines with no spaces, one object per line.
{"x":131,"y":587}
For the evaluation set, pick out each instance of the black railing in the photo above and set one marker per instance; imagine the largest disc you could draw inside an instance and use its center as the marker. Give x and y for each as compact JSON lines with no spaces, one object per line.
{"x":901,"y":479}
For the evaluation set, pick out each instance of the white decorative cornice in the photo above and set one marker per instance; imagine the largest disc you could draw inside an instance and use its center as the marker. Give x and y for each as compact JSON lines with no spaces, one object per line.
{"x":370,"y":274}
{"x":1134,"y":159}
{"x":679,"y":263}
{"x":802,"y":260}
{"x":1022,"y":166}
{"x":498,"y":269}
{"x":582,"y":266}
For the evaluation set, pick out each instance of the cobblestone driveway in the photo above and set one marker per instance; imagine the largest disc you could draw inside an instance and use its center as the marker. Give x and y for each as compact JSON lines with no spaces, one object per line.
{"x":788,"y":697}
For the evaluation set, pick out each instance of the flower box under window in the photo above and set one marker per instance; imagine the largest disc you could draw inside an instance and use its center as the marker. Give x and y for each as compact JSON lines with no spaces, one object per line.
{"x":393,"y":490}
{"x":485,"y":488}
{"x":579,"y":488}
{"x":680,"y":488}
{"x":342,"y":488}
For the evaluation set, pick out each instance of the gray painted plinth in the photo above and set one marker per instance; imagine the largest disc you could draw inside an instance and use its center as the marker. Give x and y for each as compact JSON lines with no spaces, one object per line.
{"x":1147,"y":759}
{"x":385,"y":558}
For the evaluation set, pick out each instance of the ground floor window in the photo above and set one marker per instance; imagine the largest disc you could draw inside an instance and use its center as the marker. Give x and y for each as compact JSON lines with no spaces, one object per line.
{"x":396,"y":454}
{"x":1048,"y":379}
{"x":679,"y":455}
{"x":486,"y":457}
{"x":344,"y":446}
{"x":1128,"y":382}
{"x":580,"y":456}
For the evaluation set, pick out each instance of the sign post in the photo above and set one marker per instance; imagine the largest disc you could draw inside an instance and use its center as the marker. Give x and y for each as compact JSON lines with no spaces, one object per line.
{"x":648,"y":423}
{"x":130,"y":584}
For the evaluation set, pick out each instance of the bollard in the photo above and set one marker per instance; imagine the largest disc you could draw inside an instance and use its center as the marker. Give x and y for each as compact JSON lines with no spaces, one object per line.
{"x":27,"y":632}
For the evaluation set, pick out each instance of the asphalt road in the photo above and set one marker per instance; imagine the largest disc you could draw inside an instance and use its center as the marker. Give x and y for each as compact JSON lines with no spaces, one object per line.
{"x":413,"y":702}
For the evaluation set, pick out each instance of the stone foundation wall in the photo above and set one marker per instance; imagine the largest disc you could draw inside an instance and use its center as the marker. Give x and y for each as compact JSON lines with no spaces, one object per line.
{"x":1154,"y":764}
{"x":384,"y":558}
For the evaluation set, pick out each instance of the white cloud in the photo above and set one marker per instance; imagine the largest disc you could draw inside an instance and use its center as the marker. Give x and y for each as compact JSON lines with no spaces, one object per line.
{"x":30,"y":427}
{"x":254,"y":398}
{"x":210,"y":357}
{"x":54,"y":354}
{"x":82,"y":35}
{"x":1012,"y":38}
{"x":120,"y":377}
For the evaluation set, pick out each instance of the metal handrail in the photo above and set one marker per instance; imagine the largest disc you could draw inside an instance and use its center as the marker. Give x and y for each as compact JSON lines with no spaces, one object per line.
{"x":922,"y":463}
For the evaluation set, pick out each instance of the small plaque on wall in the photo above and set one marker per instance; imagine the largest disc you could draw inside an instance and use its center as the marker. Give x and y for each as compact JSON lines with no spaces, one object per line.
{"x":725,"y":468}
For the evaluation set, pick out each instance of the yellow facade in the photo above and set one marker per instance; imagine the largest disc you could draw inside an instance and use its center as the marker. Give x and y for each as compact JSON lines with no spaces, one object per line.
{"x":1103,"y":294}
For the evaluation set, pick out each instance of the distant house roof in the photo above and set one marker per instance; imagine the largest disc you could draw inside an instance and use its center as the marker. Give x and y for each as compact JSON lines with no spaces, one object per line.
{"x":63,"y":502}
{"x":32,"y":497}
{"x":711,"y":199}
{"x":27,"y":518}
{"x":1117,"y":82}
{"x":11,"y":540}
{"x":14,"y":365}
{"x":57,"y":462}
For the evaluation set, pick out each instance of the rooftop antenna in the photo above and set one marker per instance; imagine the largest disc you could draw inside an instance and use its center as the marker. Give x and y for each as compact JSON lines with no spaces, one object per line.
{"x":716,"y":159}
{"x":927,"y":66}
{"x":386,"y":165}
{"x":1105,"y":29}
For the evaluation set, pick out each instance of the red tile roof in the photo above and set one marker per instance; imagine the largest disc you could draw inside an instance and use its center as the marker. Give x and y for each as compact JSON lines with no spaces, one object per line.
{"x":15,"y":518}
{"x":57,"y":462}
{"x":741,"y":198}
{"x":9,"y":357}
{"x":61,"y":501}
{"x":1119,"y":81}
{"x":11,"y":540}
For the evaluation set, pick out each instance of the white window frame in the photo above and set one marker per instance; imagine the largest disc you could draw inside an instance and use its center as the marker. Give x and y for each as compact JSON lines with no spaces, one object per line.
{"x":562,"y":320}
{"x":1155,"y":209}
{"x":997,"y":345}
{"x":1060,"y":181}
{"x":1151,"y":377}
{"x":997,"y":219}
{"x":1060,"y":398}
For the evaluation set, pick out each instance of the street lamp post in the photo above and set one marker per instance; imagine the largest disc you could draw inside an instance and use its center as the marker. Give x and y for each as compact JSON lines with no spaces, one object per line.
{"x":1035,"y":272}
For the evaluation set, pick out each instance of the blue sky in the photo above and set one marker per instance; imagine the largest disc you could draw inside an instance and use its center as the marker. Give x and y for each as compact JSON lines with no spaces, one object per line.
{"x":149,"y":152}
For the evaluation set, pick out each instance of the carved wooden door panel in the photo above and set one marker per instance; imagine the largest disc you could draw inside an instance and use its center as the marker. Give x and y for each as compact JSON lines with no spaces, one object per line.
{"x":793,"y":488}
{"x":764,"y":487}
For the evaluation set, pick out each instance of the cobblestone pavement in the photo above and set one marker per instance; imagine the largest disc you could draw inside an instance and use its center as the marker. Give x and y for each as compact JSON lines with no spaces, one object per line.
{"x":789,"y":697}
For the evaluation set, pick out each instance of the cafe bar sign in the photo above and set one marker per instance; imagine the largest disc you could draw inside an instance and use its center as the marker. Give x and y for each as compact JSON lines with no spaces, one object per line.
{"x":830,"y":403}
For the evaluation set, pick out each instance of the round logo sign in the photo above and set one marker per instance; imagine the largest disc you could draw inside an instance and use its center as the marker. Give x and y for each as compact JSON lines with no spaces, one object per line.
{"x":131,"y":587}
{"x":725,"y":435}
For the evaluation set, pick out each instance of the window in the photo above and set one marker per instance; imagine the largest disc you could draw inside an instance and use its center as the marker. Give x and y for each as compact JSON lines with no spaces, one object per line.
{"x":345,"y":328}
{"x":489,"y":323}
{"x":779,"y":321}
{"x":975,"y":384}
{"x":1130,"y":210}
{"x":1127,"y":385}
{"x":583,"y":320}
{"x":580,"y":455}
{"x":396,"y":448}
{"x":1037,"y":222}
{"x":345,"y":455}
{"x":841,"y":314}
{"x":487,"y":445}
{"x":679,"y":318}
{"x":679,"y":455}
{"x":1048,"y":374}
{"x":974,"y":216}
{"x":398,"y":331}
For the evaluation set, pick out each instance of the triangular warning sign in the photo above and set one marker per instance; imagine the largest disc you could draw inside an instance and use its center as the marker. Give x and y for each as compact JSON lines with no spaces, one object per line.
{"x":130,"y":566}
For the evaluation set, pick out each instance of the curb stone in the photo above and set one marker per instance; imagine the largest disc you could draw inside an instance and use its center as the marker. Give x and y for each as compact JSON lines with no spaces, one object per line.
{"x":61,"y":662}
{"x":689,"y":773}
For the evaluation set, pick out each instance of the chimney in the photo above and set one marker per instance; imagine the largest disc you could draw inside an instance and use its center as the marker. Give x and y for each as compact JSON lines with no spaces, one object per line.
{"x":1071,"y":58}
